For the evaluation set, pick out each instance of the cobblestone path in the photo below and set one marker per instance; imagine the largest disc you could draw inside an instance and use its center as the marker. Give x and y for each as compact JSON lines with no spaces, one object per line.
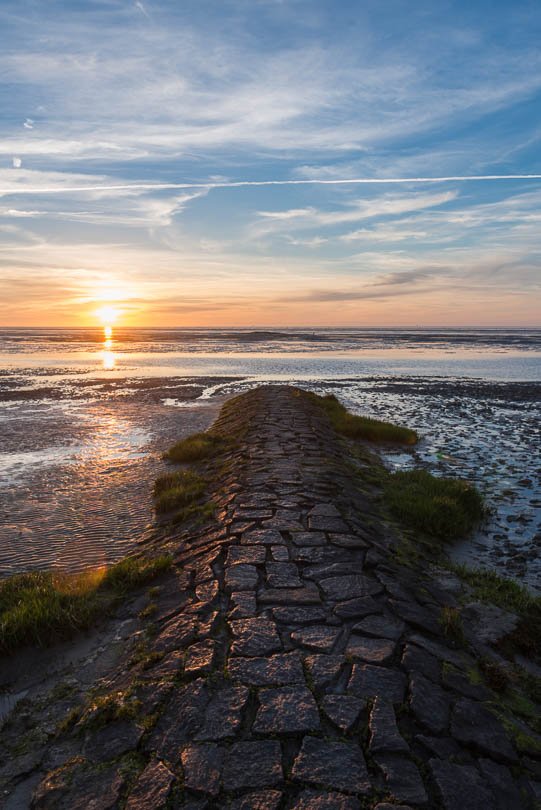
{"x":297,"y":665}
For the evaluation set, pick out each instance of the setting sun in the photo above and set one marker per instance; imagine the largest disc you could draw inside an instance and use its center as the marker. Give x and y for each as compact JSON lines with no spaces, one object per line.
{"x":108,"y":315}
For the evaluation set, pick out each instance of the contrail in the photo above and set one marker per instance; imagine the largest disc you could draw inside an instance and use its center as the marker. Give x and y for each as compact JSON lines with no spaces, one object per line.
{"x":241,"y":183}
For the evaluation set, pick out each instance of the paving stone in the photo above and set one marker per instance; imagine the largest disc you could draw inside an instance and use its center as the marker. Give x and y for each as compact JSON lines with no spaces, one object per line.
{"x":429,"y":703}
{"x":323,"y":523}
{"x":202,"y":766}
{"x":335,"y":765}
{"x":402,"y":779}
{"x":415,"y":659}
{"x":327,"y":509}
{"x":151,"y":788}
{"x":253,"y":765}
{"x":111,"y":741}
{"x":254,"y":555}
{"x":176,"y":635}
{"x":264,"y":537}
{"x":487,"y":623}
{"x":472,"y":724}
{"x":499,"y":778}
{"x":76,"y":788}
{"x":308,"y":595}
{"x":348,"y":541}
{"x":241,"y":577}
{"x":384,"y":733}
{"x":318,"y":638}
{"x":442,"y":747}
{"x":299,"y":615}
{"x":283,"y":575}
{"x":459,"y":659}
{"x":380,"y":627}
{"x":369,"y":681}
{"x":207,"y":591}
{"x":417,"y":616}
{"x":200,"y":657}
{"x":372,"y":650}
{"x":309,"y":538}
{"x":288,"y":710}
{"x":341,"y":567}
{"x":460,"y":787}
{"x":224,"y":713}
{"x":349,"y":586}
{"x":387,"y":806}
{"x":254,"y":637}
{"x":259,"y":800}
{"x":324,"y":669}
{"x":277,"y":670}
{"x":459,"y":682}
{"x":354,"y":608}
{"x":317,"y":800}
{"x":280,"y":553}
{"x":316,"y":554}
{"x":343,"y":710}
{"x":180,"y":721}
{"x":243,"y":605}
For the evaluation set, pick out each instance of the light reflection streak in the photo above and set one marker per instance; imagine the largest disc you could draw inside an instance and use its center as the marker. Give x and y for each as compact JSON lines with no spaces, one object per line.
{"x":108,"y":356}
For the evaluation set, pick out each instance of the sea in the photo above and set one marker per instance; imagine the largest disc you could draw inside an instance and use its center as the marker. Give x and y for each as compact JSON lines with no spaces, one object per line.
{"x":85,"y":417}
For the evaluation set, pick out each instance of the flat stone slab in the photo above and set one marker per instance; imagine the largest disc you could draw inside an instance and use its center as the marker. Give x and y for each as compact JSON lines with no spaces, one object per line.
{"x":324,"y":669}
{"x":243,"y":605}
{"x":347,"y":541}
{"x":176,"y":635}
{"x":461,"y":787}
{"x":342,"y":710}
{"x":262,"y":537}
{"x":384,"y":734}
{"x":307,"y":595}
{"x":111,"y":741}
{"x":200,"y":657}
{"x":372,"y":650}
{"x":299,"y":615}
{"x":283,"y":575}
{"x":415,"y":659}
{"x":152,"y":787}
{"x":353,"y":608}
{"x":380,"y":627}
{"x":289,"y":710}
{"x":253,"y":765}
{"x":335,"y":765}
{"x":309,"y":538}
{"x":254,"y":555}
{"x":472,"y":724}
{"x":324,"y":523}
{"x":259,"y":800}
{"x":319,"y":800}
{"x":202,"y":767}
{"x":429,"y":703}
{"x":254,"y":637}
{"x":349,"y":586}
{"x":241,"y":577}
{"x":275,"y":670}
{"x":402,"y":779}
{"x":318,"y":638}
{"x":369,"y":681}
{"x":224,"y":713}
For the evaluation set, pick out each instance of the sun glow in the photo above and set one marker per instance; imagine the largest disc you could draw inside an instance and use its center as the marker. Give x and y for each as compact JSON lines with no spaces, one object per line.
{"x":108,"y":316}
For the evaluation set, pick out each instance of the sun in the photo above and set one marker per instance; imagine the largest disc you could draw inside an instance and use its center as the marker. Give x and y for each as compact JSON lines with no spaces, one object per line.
{"x":108,"y":315}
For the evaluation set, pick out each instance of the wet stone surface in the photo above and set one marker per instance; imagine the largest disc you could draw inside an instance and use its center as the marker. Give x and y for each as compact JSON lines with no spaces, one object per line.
{"x":293,"y":664}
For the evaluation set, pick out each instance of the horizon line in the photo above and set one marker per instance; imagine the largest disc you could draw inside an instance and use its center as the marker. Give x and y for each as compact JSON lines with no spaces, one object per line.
{"x":243,"y":183}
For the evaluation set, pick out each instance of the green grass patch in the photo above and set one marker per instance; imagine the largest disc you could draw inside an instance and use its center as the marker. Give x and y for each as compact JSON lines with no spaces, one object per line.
{"x":488,"y":586}
{"x":361,"y":427}
{"x":197,"y":447}
{"x":451,"y":624}
{"x":446,"y":508}
{"x":43,"y":607}
{"x":177,"y":490}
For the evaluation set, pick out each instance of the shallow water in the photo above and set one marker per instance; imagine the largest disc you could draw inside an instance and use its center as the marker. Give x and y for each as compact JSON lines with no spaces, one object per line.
{"x":83,"y":422}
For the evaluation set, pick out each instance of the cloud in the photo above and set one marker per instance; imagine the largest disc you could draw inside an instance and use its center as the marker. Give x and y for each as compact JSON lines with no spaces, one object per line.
{"x":17,"y":163}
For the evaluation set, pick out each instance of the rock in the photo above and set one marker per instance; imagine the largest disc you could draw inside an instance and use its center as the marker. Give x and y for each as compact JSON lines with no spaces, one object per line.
{"x":402,"y":779}
{"x":243,"y":605}
{"x":241,"y":577}
{"x":414,"y":659}
{"x":307,"y":595}
{"x":276,"y":670}
{"x":460,"y":787}
{"x":429,"y":703}
{"x":323,"y":523}
{"x":380,"y":627}
{"x":311,"y":614}
{"x":317,"y":800}
{"x":288,"y":710}
{"x":323,"y":669}
{"x":472,"y":724}
{"x":372,"y":650}
{"x":319,"y":638}
{"x":349,"y":586}
{"x":259,"y":800}
{"x":200,"y":657}
{"x":353,"y":608}
{"x":280,"y":553}
{"x":77,"y":788}
{"x":347,"y":541}
{"x":224,"y":713}
{"x":459,"y":659}
{"x":253,"y":555}
{"x":416,"y":615}
{"x":180,"y":721}
{"x":327,"y":509}
{"x":111,"y":741}
{"x":254,"y":637}
{"x":384,"y":734}
{"x":176,"y":635}
{"x":459,"y":682}
{"x":309,"y":538}
{"x":202,"y":766}
{"x":335,"y":765}
{"x":487,"y":623}
{"x":264,"y":537}
{"x":151,"y":788}
{"x":283,"y":575}
{"x":369,"y":681}
{"x":342,"y":710}
{"x":500,"y":780}
{"x":253,"y":765}
{"x":442,"y":747}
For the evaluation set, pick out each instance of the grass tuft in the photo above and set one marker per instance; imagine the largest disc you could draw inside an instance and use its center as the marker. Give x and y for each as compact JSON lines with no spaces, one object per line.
{"x":197,"y":447}
{"x":361,"y":427}
{"x":44,"y":607}
{"x":446,"y":508}
{"x":177,"y":490}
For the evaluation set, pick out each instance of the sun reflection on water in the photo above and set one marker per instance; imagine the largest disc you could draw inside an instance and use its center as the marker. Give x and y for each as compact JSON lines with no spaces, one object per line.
{"x":108,"y":357}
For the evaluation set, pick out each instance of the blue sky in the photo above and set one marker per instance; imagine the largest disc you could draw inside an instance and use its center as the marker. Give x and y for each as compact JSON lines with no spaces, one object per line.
{"x":124,"y":126}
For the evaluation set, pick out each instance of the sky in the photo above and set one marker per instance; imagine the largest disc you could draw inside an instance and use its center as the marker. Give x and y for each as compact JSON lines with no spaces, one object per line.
{"x":183,"y":164}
